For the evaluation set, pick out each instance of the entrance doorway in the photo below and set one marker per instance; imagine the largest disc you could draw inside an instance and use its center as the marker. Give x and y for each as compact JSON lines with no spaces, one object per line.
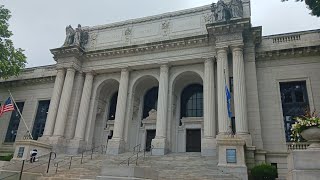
{"x":193,"y":140}
{"x":151,"y":134}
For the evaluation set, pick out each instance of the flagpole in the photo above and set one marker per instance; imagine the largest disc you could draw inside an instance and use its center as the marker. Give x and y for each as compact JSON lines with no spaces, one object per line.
{"x":229,"y":118}
{"x":20,"y":114}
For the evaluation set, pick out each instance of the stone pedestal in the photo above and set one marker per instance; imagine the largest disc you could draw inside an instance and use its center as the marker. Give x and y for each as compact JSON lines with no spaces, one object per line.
{"x":159,"y":146}
{"x":208,"y":147}
{"x":115,"y":146}
{"x":304,"y":164}
{"x":231,"y":157}
{"x":23,"y":148}
{"x":59,"y":144}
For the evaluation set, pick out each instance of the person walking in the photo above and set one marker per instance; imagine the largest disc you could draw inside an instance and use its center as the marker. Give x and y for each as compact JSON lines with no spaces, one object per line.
{"x":33,"y":155}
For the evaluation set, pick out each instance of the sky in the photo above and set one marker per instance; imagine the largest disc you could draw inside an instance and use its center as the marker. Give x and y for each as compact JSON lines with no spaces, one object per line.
{"x":39,"y":25}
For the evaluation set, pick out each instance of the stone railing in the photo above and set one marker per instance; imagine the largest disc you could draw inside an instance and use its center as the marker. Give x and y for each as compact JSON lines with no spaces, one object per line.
{"x":285,"y":39}
{"x":297,"y":146}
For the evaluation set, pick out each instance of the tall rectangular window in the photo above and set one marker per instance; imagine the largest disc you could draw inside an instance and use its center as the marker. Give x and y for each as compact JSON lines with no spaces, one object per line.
{"x":41,"y":117}
{"x":14,"y":123}
{"x":294,"y":99}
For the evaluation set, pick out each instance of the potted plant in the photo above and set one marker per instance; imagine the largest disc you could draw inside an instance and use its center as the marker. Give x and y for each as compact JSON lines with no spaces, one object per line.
{"x":307,"y":127}
{"x":264,"y":172}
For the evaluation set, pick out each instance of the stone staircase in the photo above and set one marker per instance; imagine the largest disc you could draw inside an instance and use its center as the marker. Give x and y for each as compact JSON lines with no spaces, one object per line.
{"x":6,"y":149}
{"x":186,"y":166}
{"x":177,"y":166}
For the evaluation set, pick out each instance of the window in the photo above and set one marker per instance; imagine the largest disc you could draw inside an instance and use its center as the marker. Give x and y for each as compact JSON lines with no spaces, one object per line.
{"x":294,"y":99}
{"x":192,"y":101}
{"x":150,"y":101}
{"x":113,"y":106}
{"x":14,"y":123}
{"x":41,"y":117}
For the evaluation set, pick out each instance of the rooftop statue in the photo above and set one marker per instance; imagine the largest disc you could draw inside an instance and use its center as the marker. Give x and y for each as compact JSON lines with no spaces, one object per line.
{"x":77,"y":37}
{"x":225,"y":12}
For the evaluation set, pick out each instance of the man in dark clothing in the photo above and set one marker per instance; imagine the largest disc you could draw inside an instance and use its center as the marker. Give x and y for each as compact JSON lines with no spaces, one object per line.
{"x":33,"y":155}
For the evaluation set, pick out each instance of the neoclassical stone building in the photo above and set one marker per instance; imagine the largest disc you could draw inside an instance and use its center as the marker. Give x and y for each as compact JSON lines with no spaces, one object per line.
{"x":161,"y":81}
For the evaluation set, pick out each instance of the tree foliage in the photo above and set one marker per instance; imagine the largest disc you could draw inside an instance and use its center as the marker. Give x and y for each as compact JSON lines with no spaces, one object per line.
{"x":12,"y":60}
{"x":313,"y":5}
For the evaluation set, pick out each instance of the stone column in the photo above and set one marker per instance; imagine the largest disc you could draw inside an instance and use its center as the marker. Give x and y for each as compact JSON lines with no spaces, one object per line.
{"x":54,"y":103}
{"x":64,"y":103}
{"x":222,"y":78}
{"x":116,"y":144}
{"x":208,"y":143}
{"x":160,"y":142}
{"x":84,"y":107}
{"x":240,"y":97}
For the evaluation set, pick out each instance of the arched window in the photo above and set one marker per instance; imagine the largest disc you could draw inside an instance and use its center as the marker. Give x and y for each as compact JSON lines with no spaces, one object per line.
{"x":192,"y":101}
{"x":113,"y":106}
{"x":150,"y":101}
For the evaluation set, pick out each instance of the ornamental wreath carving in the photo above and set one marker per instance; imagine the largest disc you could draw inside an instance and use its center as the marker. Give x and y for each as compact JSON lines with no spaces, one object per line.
{"x":225,"y":12}
{"x":77,"y":37}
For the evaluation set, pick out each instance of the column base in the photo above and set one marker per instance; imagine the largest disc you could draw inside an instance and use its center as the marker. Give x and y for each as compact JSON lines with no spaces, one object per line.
{"x":246,"y":137}
{"x":208,"y":146}
{"x":59,"y":144}
{"x":159,"y":146}
{"x":115,"y":146}
{"x":76,"y":146}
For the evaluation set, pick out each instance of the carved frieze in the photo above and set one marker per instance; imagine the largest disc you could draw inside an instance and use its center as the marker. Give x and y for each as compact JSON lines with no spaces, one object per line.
{"x":229,"y":37}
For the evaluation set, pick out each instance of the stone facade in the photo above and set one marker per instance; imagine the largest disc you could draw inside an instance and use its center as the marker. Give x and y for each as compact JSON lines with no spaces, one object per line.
{"x":169,"y":51}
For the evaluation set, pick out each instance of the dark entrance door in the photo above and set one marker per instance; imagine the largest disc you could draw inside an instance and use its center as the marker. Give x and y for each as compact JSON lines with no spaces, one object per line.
{"x":193,"y":140}
{"x":151,"y":134}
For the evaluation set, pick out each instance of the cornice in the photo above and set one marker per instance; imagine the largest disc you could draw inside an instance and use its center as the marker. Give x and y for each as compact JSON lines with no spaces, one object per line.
{"x":285,"y":53}
{"x":70,"y":51}
{"x":150,"y":47}
{"x":227,"y":27}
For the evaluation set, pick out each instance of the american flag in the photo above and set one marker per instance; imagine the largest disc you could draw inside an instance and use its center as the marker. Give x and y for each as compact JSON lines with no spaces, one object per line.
{"x":8,"y":106}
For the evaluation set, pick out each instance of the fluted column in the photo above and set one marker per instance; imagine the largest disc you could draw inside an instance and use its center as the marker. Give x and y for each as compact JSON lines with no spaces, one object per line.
{"x":54,"y":103}
{"x":121,"y":105}
{"x":162,"y":102}
{"x":209,"y":108}
{"x":222,"y":78}
{"x":160,"y":142}
{"x":84,"y":107}
{"x":64,"y":103}
{"x":240,"y":97}
{"x":116,"y":144}
{"x":208,"y":142}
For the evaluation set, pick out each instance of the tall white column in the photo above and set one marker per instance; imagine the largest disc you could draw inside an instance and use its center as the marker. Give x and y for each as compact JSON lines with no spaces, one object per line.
{"x":159,"y":143}
{"x":84,"y":107}
{"x":54,"y":103}
{"x":208,"y":142}
{"x":240,"y":97}
{"x":209,"y":108}
{"x":115,"y":145}
{"x":162,"y":102}
{"x":222,"y":78}
{"x":64,"y":103}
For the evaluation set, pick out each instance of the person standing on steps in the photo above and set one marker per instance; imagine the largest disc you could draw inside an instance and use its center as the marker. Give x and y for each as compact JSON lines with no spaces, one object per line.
{"x":33,"y":155}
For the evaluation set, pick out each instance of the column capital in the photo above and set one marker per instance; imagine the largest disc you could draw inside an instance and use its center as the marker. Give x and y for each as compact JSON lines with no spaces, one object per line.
{"x":209,"y":60}
{"x":93,"y":73}
{"x":71,"y":69}
{"x":222,"y":49}
{"x":125,"y":69}
{"x":236,"y":47}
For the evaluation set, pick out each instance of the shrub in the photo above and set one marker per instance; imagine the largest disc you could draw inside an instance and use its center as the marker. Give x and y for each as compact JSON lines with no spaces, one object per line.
{"x":6,"y":158}
{"x":264,"y":172}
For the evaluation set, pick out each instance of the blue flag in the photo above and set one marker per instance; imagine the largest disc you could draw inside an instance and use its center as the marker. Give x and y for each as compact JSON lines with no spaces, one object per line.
{"x":228,"y":95}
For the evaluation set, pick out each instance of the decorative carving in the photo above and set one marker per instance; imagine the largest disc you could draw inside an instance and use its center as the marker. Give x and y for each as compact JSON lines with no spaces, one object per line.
{"x":128,"y":33}
{"x":229,"y":37}
{"x":76,"y":37}
{"x":225,"y":12}
{"x":236,"y":8}
{"x":165,"y":27}
{"x":152,"y":115}
{"x":208,"y":18}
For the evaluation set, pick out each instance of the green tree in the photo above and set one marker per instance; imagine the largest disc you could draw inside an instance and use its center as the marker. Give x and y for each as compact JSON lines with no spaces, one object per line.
{"x":313,"y":5}
{"x":12,"y":60}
